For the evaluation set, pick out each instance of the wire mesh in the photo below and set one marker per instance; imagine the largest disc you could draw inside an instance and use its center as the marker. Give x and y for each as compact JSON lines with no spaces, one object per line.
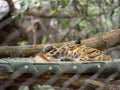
{"x":66,"y":76}
{"x":24,"y":74}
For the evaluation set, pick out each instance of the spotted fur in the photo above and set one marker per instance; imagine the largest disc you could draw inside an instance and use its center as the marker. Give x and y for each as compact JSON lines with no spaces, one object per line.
{"x":77,"y":52}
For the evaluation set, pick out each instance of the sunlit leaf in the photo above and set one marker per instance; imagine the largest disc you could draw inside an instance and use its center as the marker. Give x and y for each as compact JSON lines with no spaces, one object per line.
{"x":93,"y":10}
{"x":70,"y":2}
{"x":55,"y":11}
{"x":24,"y":88}
{"x":65,"y":2}
{"x":36,"y":87}
{"x":44,"y":39}
{"x":83,"y":2}
{"x":21,"y":17}
{"x":22,"y":43}
{"x":84,"y":24}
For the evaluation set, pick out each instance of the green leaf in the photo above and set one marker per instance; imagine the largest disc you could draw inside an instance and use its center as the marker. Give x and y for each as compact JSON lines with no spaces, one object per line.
{"x":83,"y":2}
{"x":21,"y":17}
{"x":78,"y":28}
{"x":54,"y":12}
{"x":65,"y":2}
{"x":84,"y":24}
{"x":44,"y":39}
{"x":70,"y":2}
{"x":22,"y":43}
{"x":93,"y":10}
{"x":92,"y":1}
{"x":23,"y":88}
{"x":63,"y":22}
{"x":48,"y":87}
{"x":36,"y":87}
{"x":39,"y":7}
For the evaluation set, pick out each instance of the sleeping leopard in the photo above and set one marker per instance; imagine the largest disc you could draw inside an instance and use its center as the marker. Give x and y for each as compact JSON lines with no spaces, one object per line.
{"x":75,"y":51}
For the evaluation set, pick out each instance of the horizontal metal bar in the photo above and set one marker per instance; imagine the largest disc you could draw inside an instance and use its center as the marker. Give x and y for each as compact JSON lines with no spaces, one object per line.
{"x":27,"y":65}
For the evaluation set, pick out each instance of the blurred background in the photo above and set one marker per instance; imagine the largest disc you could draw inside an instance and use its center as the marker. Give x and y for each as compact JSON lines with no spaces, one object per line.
{"x":32,"y":22}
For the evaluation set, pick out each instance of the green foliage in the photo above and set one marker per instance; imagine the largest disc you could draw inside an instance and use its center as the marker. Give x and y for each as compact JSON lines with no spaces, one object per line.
{"x":44,"y":39}
{"x":25,"y":5}
{"x":55,"y":11}
{"x":83,"y":2}
{"x":21,"y":17}
{"x":24,"y":88}
{"x":22,"y":43}
{"x":39,"y":7}
{"x":93,"y":10}
{"x":36,"y":87}
{"x":70,"y":2}
{"x":84,"y":24}
{"x":63,"y":22}
{"x":97,"y":15}
{"x":78,"y":27}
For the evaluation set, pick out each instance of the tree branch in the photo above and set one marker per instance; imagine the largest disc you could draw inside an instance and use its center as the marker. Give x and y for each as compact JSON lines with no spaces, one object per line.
{"x":107,"y":40}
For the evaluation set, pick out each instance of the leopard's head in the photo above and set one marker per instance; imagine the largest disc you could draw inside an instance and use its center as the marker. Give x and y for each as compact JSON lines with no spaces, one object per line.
{"x":75,"y":44}
{"x":55,"y":52}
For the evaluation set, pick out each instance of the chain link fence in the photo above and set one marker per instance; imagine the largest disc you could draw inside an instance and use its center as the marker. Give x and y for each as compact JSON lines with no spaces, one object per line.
{"x":58,"y":76}
{"x":66,"y":22}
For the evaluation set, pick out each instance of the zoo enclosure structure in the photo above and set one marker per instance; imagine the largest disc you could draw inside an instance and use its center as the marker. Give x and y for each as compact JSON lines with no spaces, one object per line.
{"x":20,"y":73}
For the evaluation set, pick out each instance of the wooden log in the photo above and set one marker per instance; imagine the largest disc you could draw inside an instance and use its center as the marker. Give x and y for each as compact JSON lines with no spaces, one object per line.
{"x":107,"y":40}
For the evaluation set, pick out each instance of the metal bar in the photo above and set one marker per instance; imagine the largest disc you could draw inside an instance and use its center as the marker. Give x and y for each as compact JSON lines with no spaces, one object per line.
{"x":28,"y":65}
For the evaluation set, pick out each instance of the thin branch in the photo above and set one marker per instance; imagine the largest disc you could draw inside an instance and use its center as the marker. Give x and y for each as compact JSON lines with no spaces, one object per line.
{"x":70,"y":28}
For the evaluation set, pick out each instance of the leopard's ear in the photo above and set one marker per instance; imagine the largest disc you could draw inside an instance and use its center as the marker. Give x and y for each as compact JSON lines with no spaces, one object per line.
{"x":78,"y":41}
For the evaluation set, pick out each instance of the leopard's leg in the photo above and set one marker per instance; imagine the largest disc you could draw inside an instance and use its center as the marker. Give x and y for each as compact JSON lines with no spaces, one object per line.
{"x":47,"y":48}
{"x":103,"y":57}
